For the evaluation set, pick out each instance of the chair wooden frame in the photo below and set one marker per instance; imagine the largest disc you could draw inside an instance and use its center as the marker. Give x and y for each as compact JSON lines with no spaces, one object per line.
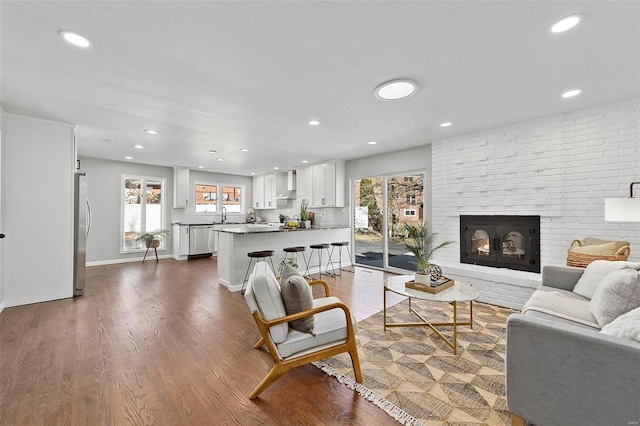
{"x":282,"y":366}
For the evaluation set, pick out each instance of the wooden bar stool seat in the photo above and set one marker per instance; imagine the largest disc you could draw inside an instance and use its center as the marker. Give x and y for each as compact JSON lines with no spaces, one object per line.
{"x":292,"y":251}
{"x":320,"y":248}
{"x":259,"y":256}
{"x":340,"y":245}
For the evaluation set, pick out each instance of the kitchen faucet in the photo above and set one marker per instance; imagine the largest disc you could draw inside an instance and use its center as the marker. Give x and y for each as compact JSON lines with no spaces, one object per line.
{"x":224,"y":214}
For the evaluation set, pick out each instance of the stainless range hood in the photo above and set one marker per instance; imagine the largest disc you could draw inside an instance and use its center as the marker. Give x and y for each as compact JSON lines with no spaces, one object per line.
{"x":290,"y":193}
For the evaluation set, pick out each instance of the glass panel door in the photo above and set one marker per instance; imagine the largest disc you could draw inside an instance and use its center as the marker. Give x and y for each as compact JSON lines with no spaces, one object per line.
{"x":382,"y":206}
{"x":405,"y":205}
{"x":367,"y":222}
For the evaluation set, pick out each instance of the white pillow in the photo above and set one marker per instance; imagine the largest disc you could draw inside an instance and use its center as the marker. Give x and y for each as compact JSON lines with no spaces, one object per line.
{"x":595,"y":272}
{"x":626,"y":326}
{"x":618,"y":294}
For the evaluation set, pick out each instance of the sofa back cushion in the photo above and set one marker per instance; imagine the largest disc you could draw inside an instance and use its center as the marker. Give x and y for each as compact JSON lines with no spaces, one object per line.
{"x":626,"y":326}
{"x":263,"y":292}
{"x":595,"y":272}
{"x":618,"y":294}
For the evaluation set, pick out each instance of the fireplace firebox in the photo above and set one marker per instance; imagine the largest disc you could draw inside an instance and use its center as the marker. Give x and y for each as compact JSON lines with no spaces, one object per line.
{"x":501,"y":241}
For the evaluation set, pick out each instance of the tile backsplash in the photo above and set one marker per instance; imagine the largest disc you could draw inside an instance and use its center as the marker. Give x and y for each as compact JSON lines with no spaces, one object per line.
{"x":328,"y":216}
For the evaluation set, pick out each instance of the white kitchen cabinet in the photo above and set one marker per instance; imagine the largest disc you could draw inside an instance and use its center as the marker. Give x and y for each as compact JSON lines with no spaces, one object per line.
{"x":266,"y":188}
{"x":181,"y":187}
{"x":328,"y":184}
{"x":258,"y":192}
{"x":304,"y":185}
{"x":180,"y":236}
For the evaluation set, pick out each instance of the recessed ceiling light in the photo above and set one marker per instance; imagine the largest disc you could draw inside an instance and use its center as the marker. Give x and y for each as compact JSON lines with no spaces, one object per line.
{"x":395,"y":89}
{"x":138,"y":146}
{"x":445,"y":124}
{"x":253,"y":173}
{"x":244,"y":150}
{"x":566,"y":24}
{"x":571,"y":93}
{"x":201,"y":167}
{"x":220,"y":159}
{"x":108,"y":140}
{"x":313,"y":122}
{"x":75,"y":39}
{"x":372,"y":142}
{"x":276,"y":168}
{"x":305,"y":161}
{"x":128,"y":158}
{"x":212,"y":151}
{"x":152,"y":132}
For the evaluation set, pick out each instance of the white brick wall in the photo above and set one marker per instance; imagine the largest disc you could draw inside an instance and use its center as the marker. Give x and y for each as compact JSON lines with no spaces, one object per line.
{"x":560,"y":167}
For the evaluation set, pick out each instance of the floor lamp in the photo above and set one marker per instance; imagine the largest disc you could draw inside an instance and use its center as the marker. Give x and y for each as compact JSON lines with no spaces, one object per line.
{"x":623,"y":209}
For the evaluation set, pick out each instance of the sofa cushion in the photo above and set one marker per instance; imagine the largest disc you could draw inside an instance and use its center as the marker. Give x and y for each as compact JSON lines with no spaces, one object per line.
{"x":264,"y":287}
{"x":562,"y":305}
{"x":618,"y":294}
{"x":626,"y":326}
{"x":595,"y":272}
{"x":297,"y":297}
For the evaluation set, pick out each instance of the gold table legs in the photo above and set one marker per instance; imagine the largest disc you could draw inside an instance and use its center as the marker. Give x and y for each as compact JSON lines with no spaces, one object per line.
{"x":453,"y":344}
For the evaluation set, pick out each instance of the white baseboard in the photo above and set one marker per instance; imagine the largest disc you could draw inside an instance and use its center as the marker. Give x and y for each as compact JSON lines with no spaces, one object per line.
{"x":127,"y":260}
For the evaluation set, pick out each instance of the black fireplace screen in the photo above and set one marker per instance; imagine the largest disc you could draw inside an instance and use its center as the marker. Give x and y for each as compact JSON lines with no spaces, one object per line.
{"x":501,"y":241}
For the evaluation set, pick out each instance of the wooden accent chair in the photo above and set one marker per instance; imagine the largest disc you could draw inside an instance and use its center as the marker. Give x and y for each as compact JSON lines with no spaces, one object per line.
{"x":335,"y":330}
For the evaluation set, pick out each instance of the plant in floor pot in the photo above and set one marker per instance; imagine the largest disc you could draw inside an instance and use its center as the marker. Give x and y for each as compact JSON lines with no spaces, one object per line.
{"x":419,"y":242}
{"x":151,"y":239}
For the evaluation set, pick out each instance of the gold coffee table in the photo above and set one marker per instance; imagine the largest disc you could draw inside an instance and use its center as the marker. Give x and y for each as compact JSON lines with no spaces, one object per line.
{"x":459,"y":292}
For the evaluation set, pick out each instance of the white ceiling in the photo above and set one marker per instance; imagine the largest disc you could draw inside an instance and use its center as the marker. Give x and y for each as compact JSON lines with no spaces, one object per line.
{"x":230,"y":75}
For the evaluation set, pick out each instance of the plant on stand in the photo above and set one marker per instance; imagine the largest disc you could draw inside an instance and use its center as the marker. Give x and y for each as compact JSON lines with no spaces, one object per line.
{"x":305,"y":219}
{"x":151,"y":239}
{"x":419,"y":242}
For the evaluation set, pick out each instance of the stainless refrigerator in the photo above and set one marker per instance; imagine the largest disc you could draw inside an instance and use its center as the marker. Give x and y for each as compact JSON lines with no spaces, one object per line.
{"x":82,"y":226}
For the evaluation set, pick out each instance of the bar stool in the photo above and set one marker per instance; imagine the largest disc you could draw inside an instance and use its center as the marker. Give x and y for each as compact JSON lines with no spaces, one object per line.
{"x":340,"y":245}
{"x":292,"y":251}
{"x":260,"y":256}
{"x":319,"y":248}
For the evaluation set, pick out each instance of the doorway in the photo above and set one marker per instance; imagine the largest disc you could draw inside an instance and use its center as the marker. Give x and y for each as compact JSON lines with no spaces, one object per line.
{"x":382,"y":205}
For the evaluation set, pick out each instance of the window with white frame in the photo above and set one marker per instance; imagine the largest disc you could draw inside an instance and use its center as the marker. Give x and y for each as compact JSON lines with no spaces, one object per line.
{"x":410,"y":199}
{"x":142,"y":209}
{"x":409,"y":212}
{"x":213,"y":197}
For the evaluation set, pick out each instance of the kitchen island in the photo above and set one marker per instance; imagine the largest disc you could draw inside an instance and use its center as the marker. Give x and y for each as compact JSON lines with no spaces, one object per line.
{"x":235,"y":243}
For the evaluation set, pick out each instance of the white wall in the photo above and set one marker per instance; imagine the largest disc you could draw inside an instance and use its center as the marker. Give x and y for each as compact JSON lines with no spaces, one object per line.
{"x":1,"y":209}
{"x":38,"y":168}
{"x":104,"y":194}
{"x":559,"y":167}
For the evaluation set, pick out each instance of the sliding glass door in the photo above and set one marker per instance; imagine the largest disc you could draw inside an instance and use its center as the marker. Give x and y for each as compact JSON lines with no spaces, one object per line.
{"x":382,"y":205}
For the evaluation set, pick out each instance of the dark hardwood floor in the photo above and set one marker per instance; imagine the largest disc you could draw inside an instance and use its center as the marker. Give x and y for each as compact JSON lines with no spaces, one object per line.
{"x":163,"y":343}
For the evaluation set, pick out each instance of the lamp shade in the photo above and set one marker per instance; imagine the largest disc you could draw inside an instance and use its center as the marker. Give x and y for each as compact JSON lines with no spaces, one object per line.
{"x":622,"y":209}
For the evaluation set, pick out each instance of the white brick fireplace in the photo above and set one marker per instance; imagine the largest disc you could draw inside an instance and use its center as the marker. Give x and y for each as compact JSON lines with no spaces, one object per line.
{"x":560,"y":167}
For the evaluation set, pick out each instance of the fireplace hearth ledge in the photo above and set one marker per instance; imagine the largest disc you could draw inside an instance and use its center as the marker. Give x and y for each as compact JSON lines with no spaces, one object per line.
{"x":497,"y":286}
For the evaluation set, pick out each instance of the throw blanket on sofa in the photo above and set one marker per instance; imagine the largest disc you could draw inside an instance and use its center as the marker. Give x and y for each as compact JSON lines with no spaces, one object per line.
{"x":556,"y":303}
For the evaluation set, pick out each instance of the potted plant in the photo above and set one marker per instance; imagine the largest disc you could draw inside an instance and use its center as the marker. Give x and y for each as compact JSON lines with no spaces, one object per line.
{"x":305,"y":219}
{"x":419,"y":242}
{"x":151,"y":239}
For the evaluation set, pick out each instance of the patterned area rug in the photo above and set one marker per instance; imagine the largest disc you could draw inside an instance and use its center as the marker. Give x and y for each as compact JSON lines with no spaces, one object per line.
{"x":413,"y":375}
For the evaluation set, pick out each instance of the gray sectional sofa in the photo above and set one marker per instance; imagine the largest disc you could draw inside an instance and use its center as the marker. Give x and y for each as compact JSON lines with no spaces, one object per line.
{"x":561,"y":368}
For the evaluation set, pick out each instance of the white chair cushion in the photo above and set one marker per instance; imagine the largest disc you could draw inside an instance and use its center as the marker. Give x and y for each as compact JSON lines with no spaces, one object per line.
{"x":330,"y":329}
{"x":264,"y":289}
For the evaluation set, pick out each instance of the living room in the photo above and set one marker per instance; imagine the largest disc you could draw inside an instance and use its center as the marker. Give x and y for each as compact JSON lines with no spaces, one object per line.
{"x":154,"y":348}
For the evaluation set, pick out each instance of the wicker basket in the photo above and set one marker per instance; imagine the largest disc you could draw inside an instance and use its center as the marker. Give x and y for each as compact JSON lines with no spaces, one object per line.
{"x":582,"y":260}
